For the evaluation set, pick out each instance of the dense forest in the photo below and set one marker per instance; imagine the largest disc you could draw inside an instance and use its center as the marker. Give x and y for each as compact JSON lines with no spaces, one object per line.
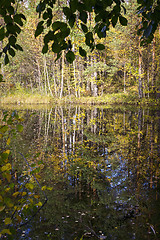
{"x":68,"y":169}
{"x":118,"y":62}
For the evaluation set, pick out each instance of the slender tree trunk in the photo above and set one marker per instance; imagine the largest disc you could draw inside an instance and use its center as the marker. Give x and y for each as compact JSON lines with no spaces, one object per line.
{"x":63,"y":135}
{"x":148,"y":80}
{"x":49,"y":87}
{"x":140,"y":88}
{"x":124,"y":89}
{"x":75,"y":80}
{"x":94,"y":78}
{"x":45,"y":81}
{"x":153,"y":63}
{"x":39,"y":77}
{"x":1,"y":66}
{"x":88,"y":80}
{"x":62,"y":76}
{"x":54,"y":80}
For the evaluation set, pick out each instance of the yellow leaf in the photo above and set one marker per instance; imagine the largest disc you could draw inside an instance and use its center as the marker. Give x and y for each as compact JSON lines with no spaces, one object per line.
{"x":23,"y":194}
{"x":8,"y":177}
{"x":38,"y":176}
{"x":7,"y":151}
{"x":44,"y":188}
{"x":2,"y":208}
{"x":15,"y":194}
{"x":7,"y":189}
{"x":10,"y":205}
{"x":8,"y":141}
{"x":6,"y":167}
{"x":1,"y":199}
{"x":39,"y":204}
{"x":6,"y":231}
{"x":31,"y":201}
{"x":29,"y":186}
{"x":7,"y":221}
{"x":36,"y":196}
{"x":19,"y":218}
{"x":0,"y":181}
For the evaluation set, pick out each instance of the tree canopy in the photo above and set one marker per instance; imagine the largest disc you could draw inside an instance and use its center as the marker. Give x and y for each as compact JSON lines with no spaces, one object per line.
{"x":56,"y":34}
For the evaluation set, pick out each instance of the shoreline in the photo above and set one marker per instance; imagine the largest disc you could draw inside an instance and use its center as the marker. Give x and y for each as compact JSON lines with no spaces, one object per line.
{"x":107,"y":99}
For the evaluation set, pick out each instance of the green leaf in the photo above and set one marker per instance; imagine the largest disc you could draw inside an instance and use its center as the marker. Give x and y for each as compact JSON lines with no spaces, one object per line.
{"x":41,"y":7}
{"x":100,"y":46}
{"x":17,"y":19}
{"x":56,"y":47}
{"x":89,"y":39}
{"x":82,"y":52}
{"x":117,"y":9}
{"x":45,"y":15}
{"x":67,"y":11}
{"x":40,"y":24}
{"x":70,"y":56}
{"x":7,"y":221}
{"x":16,"y":28}
{"x":83,"y":16}
{"x":12,"y":40}
{"x":18,"y":47}
{"x":84,"y":28}
{"x":19,"y":128}
{"x":56,"y":25}
{"x":49,"y":22}
{"x":11,"y":52}
{"x":45,"y":49}
{"x":1,"y":78}
{"x":123,"y":20}
{"x":8,"y":19}
{"x":49,"y":10}
{"x":48,"y":37}
{"x":10,"y":10}
{"x":73,"y":5}
{"x":2,"y":33}
{"x":114,"y":20}
{"x":10,"y":28}
{"x":6,"y":59}
{"x":22,"y":16}
{"x":72,"y":20}
{"x":65,"y":32}
{"x":39,"y":31}
{"x":2,"y":208}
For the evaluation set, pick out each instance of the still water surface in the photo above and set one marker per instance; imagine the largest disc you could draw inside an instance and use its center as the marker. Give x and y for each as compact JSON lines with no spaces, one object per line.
{"x":104,"y":167}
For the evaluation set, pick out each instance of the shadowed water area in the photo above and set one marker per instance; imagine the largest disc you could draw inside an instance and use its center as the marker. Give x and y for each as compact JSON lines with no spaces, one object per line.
{"x":103,"y":165}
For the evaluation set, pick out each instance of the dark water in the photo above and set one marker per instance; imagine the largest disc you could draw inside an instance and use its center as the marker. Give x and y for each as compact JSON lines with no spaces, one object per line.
{"x":104,"y":168}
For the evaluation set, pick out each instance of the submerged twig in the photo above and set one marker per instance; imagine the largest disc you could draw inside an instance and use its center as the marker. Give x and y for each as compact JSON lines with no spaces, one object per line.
{"x":152,"y":228}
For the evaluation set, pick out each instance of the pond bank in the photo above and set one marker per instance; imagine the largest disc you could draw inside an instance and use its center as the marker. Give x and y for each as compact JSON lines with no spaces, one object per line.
{"x":36,"y":98}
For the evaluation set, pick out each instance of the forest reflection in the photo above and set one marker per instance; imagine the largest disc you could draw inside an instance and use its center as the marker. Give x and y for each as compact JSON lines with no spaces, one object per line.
{"x":103,"y":165}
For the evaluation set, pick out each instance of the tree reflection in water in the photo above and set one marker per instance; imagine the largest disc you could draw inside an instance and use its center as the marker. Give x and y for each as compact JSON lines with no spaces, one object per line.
{"x":103,"y":165}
